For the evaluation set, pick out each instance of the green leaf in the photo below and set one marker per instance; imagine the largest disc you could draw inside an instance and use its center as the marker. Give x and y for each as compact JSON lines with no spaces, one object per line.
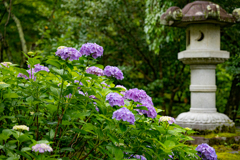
{"x":23,"y":154}
{"x":98,"y":65}
{"x":54,"y":63}
{"x":57,"y":71}
{"x":2,"y":106}
{"x":123,"y":127}
{"x":141,"y":107}
{"x":113,"y":138}
{"x":30,"y":99}
{"x":33,"y":61}
{"x":10,"y":95}
{"x":24,"y":149}
{"x":169,"y":143}
{"x":67,"y":149}
{"x":4,"y":86}
{"x":23,"y":138}
{"x":23,"y":71}
{"x":55,"y":91}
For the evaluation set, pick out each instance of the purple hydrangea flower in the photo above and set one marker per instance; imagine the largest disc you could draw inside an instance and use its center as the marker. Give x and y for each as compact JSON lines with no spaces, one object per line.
{"x":113,"y":71}
{"x":39,"y":67}
{"x":168,"y":119}
{"x":105,"y":85}
{"x":142,"y":97}
{"x":69,"y":95}
{"x":140,"y":157}
{"x":22,"y":75}
{"x":151,"y":112}
{"x":124,"y":114}
{"x":80,"y":83}
{"x":92,"y":48}
{"x":95,"y":70}
{"x":36,"y":69}
{"x":136,"y":95}
{"x":206,"y":152}
{"x":41,"y":148}
{"x":115,"y":99}
{"x":80,"y":92}
{"x":92,"y":96}
{"x":68,"y":53}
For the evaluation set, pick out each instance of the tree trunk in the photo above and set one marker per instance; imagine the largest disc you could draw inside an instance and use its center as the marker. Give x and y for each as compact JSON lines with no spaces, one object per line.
{"x":233,"y":99}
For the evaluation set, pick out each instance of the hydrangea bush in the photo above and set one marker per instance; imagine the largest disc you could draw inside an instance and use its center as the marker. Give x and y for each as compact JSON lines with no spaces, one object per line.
{"x":71,"y":109}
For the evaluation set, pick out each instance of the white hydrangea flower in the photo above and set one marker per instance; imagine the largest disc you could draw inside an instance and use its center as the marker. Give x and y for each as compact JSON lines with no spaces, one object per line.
{"x":21,"y":127}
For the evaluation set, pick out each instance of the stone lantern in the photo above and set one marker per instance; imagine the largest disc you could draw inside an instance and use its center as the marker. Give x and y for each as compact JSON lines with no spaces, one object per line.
{"x":202,"y":20}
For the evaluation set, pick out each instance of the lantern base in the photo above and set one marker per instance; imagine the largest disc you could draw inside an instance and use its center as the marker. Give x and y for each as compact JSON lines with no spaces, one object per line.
{"x":204,"y":121}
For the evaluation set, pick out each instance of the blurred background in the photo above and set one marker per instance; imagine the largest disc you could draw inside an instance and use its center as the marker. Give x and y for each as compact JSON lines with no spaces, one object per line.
{"x":132,"y":38}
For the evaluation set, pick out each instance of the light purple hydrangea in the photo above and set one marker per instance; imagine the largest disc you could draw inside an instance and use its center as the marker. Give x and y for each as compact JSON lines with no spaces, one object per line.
{"x":113,"y":71}
{"x":80,"y":92}
{"x":95,"y":104}
{"x":142,"y":97}
{"x":151,"y":112}
{"x":22,"y":75}
{"x":92,"y":48}
{"x":68,"y":53}
{"x":115,"y":99}
{"x":80,"y":83}
{"x":95,"y":70}
{"x":136,"y":95}
{"x":206,"y":152}
{"x":39,"y":67}
{"x":124,"y":114}
{"x":36,"y":69}
{"x":140,"y":157}
{"x":92,"y":96}
{"x":69,"y":95}
{"x":41,"y":148}
{"x":168,"y":119}
{"x":105,"y":85}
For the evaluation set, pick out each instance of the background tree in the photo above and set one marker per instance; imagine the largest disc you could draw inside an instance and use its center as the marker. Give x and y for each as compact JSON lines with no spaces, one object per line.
{"x":133,"y":39}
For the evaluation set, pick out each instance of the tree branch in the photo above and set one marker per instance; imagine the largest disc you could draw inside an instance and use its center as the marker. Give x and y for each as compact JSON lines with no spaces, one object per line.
{"x":20,"y":32}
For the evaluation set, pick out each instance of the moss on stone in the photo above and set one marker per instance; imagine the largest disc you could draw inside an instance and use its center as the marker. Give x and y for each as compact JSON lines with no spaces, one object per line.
{"x":227,"y":156}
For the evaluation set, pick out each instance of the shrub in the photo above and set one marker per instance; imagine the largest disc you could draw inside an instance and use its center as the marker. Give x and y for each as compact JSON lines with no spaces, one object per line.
{"x":74,"y":114}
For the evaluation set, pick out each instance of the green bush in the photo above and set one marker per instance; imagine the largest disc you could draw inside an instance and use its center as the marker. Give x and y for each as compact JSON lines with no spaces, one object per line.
{"x":50,"y":104}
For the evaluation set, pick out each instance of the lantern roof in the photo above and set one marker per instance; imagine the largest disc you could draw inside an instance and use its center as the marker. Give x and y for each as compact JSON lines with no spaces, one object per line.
{"x":199,"y":12}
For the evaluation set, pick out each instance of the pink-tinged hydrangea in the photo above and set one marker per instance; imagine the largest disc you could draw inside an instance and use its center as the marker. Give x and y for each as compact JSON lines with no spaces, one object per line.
{"x":151,"y":112}
{"x":92,"y":48}
{"x":206,"y":152}
{"x":168,"y":119}
{"x":68,"y":53}
{"x":39,"y":67}
{"x":115,"y":99}
{"x":41,"y":148}
{"x":6,"y":64}
{"x":124,"y":114}
{"x":113,"y":71}
{"x":95,"y":70}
